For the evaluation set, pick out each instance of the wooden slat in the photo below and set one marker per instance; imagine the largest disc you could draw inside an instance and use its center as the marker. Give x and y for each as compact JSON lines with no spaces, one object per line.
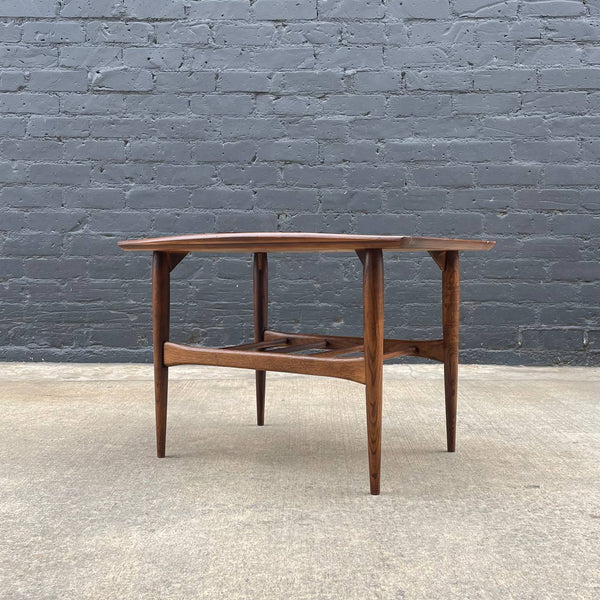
{"x":299,"y":347}
{"x":341,"y":351}
{"x":333,"y":341}
{"x":432,"y":349}
{"x":256,"y":345}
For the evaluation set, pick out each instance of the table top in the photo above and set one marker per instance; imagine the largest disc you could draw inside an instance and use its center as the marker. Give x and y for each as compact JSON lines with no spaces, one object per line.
{"x":298,"y":242}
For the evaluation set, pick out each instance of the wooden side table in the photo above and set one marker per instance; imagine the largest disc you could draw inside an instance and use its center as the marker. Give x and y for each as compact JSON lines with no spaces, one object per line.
{"x":355,"y":358}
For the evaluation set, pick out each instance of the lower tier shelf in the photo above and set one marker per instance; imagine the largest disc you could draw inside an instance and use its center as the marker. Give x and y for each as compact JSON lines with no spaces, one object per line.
{"x":331,"y":356}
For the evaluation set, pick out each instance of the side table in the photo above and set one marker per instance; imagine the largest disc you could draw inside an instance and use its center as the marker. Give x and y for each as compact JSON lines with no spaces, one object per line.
{"x":358,"y":359}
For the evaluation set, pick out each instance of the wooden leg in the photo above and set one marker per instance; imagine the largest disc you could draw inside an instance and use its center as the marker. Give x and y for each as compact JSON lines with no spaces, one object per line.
{"x":160,"y":325}
{"x":450,"y":319}
{"x":261,"y":282}
{"x":373,"y":351}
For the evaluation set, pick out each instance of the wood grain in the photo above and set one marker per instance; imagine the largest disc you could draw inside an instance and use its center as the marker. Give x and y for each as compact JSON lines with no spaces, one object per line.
{"x":160,"y":327}
{"x":342,"y":368}
{"x":298,"y":242}
{"x":358,"y":359}
{"x":260,"y":272}
{"x":373,"y":344}
{"x":450,"y":319}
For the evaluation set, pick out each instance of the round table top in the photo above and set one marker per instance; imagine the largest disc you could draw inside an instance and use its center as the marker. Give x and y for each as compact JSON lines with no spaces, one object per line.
{"x":299,"y":242}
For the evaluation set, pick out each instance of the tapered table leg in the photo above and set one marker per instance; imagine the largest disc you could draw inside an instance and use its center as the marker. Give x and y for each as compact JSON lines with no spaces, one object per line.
{"x":450,"y":319}
{"x":160,"y":325}
{"x":261,"y":285}
{"x":373,"y":351}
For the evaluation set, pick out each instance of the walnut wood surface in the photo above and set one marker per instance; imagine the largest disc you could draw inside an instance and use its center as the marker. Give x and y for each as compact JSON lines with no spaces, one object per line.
{"x":298,"y":242}
{"x":358,"y":359}
{"x":343,"y":368}
{"x":373,"y":343}
{"x":450,"y":326}
{"x":160,"y":327}
{"x":260,"y":273}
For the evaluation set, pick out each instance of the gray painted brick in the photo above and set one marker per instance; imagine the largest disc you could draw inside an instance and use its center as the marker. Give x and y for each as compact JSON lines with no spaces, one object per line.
{"x":11,"y":81}
{"x":59,"y":173}
{"x":154,"y":9}
{"x":32,"y":196}
{"x":250,"y":175}
{"x":348,"y":9}
{"x":216,"y":104}
{"x":377,"y":128}
{"x":460,"y":176}
{"x":241,"y":34}
{"x":514,"y":127}
{"x":321,"y":129}
{"x":186,"y":81}
{"x":554,"y":102}
{"x":359,"y":151}
{"x":417,"y":56}
{"x":242,"y":81}
{"x":314,"y":32}
{"x":561,"y":79}
{"x":110,"y":32}
{"x":286,"y":199}
{"x":377,"y":81}
{"x":244,"y":151}
{"x":157,"y":197}
{"x":217,"y":10}
{"x":315,"y":81}
{"x":40,"y":126}
{"x":482,"y":55}
{"x":363,"y":32}
{"x":551,"y":151}
{"x":357,"y":105}
{"x":92,"y":57}
{"x":302,"y":151}
{"x":279,"y":10}
{"x":443,"y":80}
{"x":10,"y":32}
{"x":156,"y":104}
{"x":551,"y":55}
{"x":507,"y":175}
{"x":553,"y":8}
{"x":122,"y":80}
{"x":124,"y":118}
{"x":28,"y":8}
{"x":415,"y":9}
{"x":29,"y":103}
{"x":84,"y":104}
{"x":486,"y":104}
{"x":57,"y":32}
{"x":419,"y":105}
{"x":485,"y":8}
{"x":21,"y":56}
{"x":91,"y":8}
{"x":505,"y":80}
{"x":153,"y":58}
{"x":180,"y":32}
{"x":416,"y":151}
{"x":350,"y":58}
{"x":170,"y":152}
{"x":58,"y":81}
{"x":479,"y":151}
{"x":251,"y":128}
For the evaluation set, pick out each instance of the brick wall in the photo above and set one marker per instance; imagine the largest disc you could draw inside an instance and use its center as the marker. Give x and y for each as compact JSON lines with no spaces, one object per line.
{"x":474,"y":118}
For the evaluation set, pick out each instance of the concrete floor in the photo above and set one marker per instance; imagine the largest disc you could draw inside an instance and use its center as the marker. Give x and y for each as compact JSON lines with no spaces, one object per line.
{"x":283,"y":511}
